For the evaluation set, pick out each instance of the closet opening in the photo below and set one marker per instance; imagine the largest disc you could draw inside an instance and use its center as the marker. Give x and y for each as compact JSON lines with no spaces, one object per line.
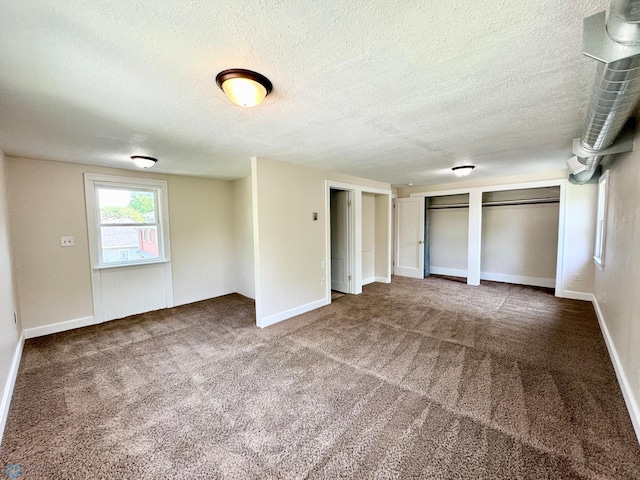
{"x":520,"y":236}
{"x":446,"y":235}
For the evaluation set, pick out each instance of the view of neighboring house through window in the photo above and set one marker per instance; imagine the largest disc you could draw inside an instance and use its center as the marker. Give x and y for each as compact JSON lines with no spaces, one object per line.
{"x":128,"y":224}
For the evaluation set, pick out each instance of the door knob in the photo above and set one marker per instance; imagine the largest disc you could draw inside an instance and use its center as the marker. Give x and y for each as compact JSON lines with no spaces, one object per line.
{"x":420,"y":242}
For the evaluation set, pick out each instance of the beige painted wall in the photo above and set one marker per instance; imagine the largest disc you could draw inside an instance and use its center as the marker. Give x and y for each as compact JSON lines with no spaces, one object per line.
{"x":368,"y":236}
{"x":243,"y":231}
{"x":289,"y":245}
{"x":617,"y":282}
{"x":46,"y":200}
{"x":448,"y":238}
{"x":202,"y":238}
{"x":9,"y":331}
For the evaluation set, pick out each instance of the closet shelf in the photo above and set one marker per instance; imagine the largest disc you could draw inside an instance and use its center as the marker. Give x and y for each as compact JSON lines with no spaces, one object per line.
{"x":528,"y":201}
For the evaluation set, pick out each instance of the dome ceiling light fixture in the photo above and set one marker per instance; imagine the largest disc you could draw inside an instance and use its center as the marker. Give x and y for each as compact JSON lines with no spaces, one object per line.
{"x":144,"y":162}
{"x":463,"y":170}
{"x":244,"y":87}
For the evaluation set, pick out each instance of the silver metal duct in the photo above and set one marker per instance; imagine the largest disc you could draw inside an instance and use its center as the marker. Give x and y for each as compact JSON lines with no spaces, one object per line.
{"x":616,"y":88}
{"x":622,"y":24}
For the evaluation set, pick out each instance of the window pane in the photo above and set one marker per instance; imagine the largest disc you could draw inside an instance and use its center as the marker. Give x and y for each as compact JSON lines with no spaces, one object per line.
{"x":129,"y":244}
{"x":601,"y":219}
{"x":119,"y":205}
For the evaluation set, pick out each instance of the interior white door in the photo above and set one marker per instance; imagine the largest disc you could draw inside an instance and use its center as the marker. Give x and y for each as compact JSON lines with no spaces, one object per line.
{"x":339,"y":209}
{"x":409,"y":261}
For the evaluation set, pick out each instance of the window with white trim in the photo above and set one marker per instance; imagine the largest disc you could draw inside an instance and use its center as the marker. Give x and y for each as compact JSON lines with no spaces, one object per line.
{"x":127,"y":220}
{"x":601,"y":219}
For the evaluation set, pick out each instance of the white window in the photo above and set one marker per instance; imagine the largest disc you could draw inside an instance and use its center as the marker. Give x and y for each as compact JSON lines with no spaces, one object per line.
{"x":601,"y":219}
{"x":122,"y":213}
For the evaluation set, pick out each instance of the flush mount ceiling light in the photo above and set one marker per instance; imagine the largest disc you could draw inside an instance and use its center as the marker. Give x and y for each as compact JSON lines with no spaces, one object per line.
{"x":463,"y":170}
{"x":244,"y":87}
{"x":144,"y":162}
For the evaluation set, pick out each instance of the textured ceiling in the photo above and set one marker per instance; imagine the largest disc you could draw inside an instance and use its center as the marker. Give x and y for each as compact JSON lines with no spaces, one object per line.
{"x":393,"y":91}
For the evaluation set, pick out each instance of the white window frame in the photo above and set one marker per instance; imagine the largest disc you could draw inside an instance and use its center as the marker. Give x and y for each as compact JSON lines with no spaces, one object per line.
{"x":601,"y":219}
{"x":160,"y":191}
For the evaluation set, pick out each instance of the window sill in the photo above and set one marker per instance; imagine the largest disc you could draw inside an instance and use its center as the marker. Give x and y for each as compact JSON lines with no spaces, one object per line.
{"x":129,"y":264}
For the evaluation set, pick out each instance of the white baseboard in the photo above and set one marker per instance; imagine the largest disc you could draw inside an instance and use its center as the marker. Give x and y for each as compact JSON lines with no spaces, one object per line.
{"x":519,"y":279}
{"x":278,"y":317}
{"x":57,"y":327}
{"x":577,"y":295}
{"x":7,"y":392}
{"x":383,"y":279}
{"x":367,"y":281}
{"x":627,"y":393}
{"x":450,"y":272}
{"x":497,"y":277}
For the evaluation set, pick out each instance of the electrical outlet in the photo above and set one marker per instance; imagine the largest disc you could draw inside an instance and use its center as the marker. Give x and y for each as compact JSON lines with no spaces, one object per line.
{"x":322,"y":281}
{"x":68,"y":241}
{"x":323,"y":265}
{"x":577,"y":277}
{"x":244,"y":274}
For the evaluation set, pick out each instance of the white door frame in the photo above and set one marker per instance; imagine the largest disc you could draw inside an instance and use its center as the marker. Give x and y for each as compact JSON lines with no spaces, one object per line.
{"x":356,"y":234}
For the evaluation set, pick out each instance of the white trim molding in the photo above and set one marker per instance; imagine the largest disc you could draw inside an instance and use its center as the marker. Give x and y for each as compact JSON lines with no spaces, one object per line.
{"x":356,"y":228}
{"x":587,"y":297}
{"x":449,"y":272}
{"x":287,"y":314}
{"x":501,"y":277}
{"x":58,"y":327}
{"x":10,"y":384}
{"x":519,"y":279}
{"x":627,"y":393}
{"x":492,"y":188}
{"x":255,"y":208}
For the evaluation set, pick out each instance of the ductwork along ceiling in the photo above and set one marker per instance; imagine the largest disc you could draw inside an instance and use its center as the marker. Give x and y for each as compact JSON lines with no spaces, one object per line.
{"x":392,"y":91}
{"x":615,"y":43}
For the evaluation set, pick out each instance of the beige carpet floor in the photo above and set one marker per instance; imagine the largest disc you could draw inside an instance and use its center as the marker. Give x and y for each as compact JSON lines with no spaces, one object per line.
{"x":417,"y":379}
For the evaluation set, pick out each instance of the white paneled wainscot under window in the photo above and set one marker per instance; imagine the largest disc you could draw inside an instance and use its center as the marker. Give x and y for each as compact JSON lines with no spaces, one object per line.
{"x":128,"y":230}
